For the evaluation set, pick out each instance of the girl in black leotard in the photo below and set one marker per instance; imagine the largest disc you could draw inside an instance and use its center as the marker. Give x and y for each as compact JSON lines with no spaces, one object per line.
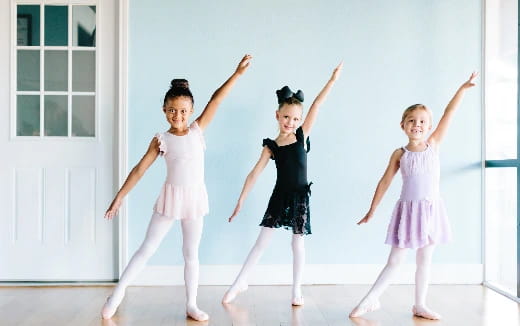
{"x":289,"y":203}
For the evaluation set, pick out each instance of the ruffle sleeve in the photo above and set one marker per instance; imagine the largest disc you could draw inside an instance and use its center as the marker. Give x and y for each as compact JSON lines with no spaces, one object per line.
{"x":162,"y":144}
{"x":271,"y":145}
{"x":196,"y":129}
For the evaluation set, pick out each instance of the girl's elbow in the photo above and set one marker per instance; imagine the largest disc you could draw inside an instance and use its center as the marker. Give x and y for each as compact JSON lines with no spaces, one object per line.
{"x":251,"y":177}
{"x":384,"y":183}
{"x":138,"y":171}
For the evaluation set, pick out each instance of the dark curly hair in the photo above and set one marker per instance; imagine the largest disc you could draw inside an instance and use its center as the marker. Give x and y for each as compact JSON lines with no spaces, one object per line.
{"x":178,"y":88}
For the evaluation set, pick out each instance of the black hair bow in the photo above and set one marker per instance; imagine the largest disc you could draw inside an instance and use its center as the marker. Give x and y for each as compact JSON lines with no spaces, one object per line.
{"x":285,"y":93}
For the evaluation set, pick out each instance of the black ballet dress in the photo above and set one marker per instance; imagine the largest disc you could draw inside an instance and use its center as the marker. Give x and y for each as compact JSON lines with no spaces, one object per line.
{"x":289,"y":204}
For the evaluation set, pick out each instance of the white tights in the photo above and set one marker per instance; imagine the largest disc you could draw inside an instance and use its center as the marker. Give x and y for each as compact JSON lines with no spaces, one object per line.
{"x":298,"y":248}
{"x":157,"y":229}
{"x":396,"y":257}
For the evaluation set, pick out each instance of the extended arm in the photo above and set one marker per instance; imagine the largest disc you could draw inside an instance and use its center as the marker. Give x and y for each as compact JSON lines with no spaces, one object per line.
{"x":211,"y":108}
{"x":439,"y":132}
{"x":315,"y":107}
{"x":384,"y":183}
{"x":251,"y":179}
{"x":133,"y":177}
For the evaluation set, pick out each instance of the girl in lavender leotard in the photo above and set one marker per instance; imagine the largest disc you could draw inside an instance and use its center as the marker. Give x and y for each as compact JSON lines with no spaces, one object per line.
{"x":419,"y":220}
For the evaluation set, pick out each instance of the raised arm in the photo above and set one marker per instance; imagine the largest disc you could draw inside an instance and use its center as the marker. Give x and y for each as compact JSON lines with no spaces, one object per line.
{"x":133,"y":177}
{"x":315,"y":107}
{"x":384,"y":183}
{"x":438,"y":134}
{"x":211,"y":108}
{"x":251,"y":179}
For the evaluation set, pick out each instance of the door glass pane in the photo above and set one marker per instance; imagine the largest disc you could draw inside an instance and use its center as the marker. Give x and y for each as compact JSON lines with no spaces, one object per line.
{"x":83,"y":71}
{"x":28,"y":25}
{"x":28,"y":115}
{"x":501,"y":79}
{"x":501,"y":227}
{"x":56,"y":25}
{"x":56,"y":70}
{"x":84,"y":26}
{"x":28,"y":70}
{"x":83,"y":116}
{"x":56,"y":120}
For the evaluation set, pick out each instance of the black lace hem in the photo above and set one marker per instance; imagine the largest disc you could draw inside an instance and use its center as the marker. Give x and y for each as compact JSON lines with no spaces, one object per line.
{"x":290,"y":211}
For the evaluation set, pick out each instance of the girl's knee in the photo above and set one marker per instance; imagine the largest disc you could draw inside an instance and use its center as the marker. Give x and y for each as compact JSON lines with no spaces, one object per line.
{"x":146,"y":250}
{"x":395,"y":260}
{"x":422,"y":262}
{"x":262,"y":243}
{"x":263,"y":239}
{"x":423,"y":257}
{"x":190,"y":254}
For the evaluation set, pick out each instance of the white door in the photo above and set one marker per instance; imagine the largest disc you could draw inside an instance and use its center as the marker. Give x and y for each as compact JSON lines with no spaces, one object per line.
{"x":57,"y":139}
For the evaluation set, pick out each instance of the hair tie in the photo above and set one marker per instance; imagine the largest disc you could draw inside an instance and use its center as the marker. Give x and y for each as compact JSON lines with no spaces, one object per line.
{"x":285,"y":93}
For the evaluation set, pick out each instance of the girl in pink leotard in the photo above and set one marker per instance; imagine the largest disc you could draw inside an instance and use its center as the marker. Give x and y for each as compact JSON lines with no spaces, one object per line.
{"x":183,"y":196}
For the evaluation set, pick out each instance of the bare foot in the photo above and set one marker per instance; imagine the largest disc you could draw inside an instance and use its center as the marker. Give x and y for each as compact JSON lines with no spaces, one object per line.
{"x":233,"y":291}
{"x":110,"y":307}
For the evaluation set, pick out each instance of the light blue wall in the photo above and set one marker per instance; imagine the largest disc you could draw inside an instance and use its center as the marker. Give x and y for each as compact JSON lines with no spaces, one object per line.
{"x":396,"y":53}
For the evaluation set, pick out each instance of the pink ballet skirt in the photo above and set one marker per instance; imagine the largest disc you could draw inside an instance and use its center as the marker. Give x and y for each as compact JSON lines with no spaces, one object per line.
{"x":419,"y":217}
{"x":183,"y":195}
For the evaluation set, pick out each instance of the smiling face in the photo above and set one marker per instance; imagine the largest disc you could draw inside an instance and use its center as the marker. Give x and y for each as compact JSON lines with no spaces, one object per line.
{"x":416,"y":123}
{"x":178,"y":111}
{"x":289,"y":117}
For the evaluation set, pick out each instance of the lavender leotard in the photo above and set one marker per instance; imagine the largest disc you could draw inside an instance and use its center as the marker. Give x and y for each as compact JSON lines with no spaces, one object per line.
{"x":419,"y":217}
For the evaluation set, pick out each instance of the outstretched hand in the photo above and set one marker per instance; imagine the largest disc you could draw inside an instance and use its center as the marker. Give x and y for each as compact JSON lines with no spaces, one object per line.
{"x":113,"y":209}
{"x":337,"y":72}
{"x":244,"y":64}
{"x":469,"y":83}
{"x":365,"y":219}
{"x":235,"y":212}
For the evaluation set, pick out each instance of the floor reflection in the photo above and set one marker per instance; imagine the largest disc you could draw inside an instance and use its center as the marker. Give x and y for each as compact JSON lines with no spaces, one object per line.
{"x":237,"y":313}
{"x":360,"y":321}
{"x":296,"y":316}
{"x":108,"y":322}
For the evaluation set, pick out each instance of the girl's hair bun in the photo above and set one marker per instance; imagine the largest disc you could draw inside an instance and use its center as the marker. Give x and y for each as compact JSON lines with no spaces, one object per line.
{"x":179,"y":83}
{"x":178,"y":88}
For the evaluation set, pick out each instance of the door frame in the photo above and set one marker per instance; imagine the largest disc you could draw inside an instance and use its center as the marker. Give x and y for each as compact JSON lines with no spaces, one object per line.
{"x":122,"y":153}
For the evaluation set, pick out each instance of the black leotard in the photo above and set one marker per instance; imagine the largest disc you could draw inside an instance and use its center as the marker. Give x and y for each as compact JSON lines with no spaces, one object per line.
{"x":289,"y":204}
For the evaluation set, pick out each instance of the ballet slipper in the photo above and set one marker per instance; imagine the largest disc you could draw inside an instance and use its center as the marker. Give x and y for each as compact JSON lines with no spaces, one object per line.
{"x":424,"y":312}
{"x":298,"y":301}
{"x":363,"y":308}
{"x":109,"y":309}
{"x":196,"y":314}
{"x":232,"y":293}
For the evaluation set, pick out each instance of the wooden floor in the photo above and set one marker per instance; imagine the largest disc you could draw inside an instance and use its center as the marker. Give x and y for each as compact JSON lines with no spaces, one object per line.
{"x":260,"y":305}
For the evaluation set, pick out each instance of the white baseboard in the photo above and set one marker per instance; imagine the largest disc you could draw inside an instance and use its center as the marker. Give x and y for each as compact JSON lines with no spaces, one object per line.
{"x":314,"y":274}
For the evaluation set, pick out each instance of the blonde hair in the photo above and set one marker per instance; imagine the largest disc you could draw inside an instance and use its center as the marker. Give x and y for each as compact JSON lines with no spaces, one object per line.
{"x":414,"y":107}
{"x":290,"y":101}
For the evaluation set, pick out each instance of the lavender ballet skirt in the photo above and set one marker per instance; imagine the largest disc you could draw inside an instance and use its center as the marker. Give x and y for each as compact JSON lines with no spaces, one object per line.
{"x":419,"y":217}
